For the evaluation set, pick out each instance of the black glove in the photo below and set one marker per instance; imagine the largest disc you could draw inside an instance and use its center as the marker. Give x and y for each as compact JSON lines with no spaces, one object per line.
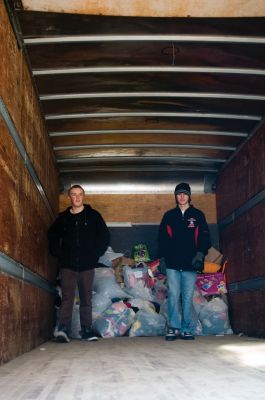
{"x":198,"y":262}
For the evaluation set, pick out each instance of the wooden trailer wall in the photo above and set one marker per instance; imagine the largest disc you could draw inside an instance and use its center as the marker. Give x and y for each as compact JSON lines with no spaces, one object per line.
{"x":241,"y":214}
{"x":141,"y":208}
{"x":28,"y":203}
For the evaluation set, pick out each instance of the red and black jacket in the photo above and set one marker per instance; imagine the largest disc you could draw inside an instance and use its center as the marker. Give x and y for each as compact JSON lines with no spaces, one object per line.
{"x":181,"y":236}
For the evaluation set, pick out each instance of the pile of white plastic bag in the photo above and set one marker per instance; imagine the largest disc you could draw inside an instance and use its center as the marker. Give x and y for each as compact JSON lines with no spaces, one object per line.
{"x":131,"y":300}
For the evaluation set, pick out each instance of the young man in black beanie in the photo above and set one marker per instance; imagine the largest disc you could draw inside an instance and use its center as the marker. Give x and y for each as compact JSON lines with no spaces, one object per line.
{"x":183,"y":241}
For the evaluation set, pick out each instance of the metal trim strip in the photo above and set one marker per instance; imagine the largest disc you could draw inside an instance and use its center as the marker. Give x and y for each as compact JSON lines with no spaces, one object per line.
{"x":19,"y":271}
{"x":22,"y":151}
{"x":258,"y":198}
{"x":247,"y":285}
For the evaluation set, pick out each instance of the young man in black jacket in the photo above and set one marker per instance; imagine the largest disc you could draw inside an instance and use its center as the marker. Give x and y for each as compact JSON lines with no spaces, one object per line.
{"x":78,"y":237}
{"x":183,"y":241}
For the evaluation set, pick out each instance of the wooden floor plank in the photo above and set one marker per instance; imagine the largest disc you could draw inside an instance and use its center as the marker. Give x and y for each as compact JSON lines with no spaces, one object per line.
{"x":217,"y":368}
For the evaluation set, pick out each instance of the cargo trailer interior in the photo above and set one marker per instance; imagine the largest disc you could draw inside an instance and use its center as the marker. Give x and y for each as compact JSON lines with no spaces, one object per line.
{"x":129,"y":98}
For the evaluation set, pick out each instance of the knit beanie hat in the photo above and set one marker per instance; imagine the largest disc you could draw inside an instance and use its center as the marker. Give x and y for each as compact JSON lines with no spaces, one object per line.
{"x":183,"y":188}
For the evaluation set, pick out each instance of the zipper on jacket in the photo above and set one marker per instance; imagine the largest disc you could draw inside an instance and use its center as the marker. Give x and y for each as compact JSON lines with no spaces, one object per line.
{"x":77,"y":243}
{"x":77,"y":233}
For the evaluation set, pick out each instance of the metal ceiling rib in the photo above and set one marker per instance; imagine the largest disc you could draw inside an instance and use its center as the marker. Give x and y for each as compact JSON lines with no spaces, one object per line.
{"x":152,"y":131}
{"x":144,"y":38}
{"x":146,"y":94}
{"x":152,"y":114}
{"x":140,"y":145}
{"x":183,"y":159}
{"x":63,"y":96}
{"x":175,"y":69}
{"x":137,"y":168}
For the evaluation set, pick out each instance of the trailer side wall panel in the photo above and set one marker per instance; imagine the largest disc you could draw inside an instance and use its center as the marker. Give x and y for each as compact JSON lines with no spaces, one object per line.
{"x":240,"y":201}
{"x":27,"y":206}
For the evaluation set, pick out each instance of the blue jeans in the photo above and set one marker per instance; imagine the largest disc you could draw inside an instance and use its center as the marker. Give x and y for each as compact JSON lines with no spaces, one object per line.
{"x":180,"y":283}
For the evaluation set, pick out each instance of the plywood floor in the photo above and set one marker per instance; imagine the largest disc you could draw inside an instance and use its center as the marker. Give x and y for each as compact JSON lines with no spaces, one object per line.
{"x":213,"y":368}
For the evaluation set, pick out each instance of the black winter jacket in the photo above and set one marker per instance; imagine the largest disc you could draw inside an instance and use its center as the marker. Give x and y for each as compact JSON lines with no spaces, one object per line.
{"x":78,"y":240}
{"x":181,"y":236}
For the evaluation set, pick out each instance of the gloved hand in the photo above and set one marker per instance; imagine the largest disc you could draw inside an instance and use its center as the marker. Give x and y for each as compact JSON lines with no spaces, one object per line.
{"x":198,"y":262}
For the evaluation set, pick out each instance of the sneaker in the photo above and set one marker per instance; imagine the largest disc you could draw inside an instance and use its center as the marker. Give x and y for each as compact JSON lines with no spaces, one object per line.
{"x":172,"y":334}
{"x":61,"y":335}
{"x":187,"y":336}
{"x":88,"y":335}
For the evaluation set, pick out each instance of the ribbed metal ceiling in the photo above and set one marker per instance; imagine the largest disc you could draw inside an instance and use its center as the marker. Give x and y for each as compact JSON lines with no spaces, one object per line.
{"x":132,"y":98}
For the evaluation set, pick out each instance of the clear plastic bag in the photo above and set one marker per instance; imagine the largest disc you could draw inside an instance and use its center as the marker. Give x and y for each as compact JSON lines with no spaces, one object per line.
{"x":134,"y":275}
{"x":109,"y":256}
{"x":148,"y":324}
{"x":160,"y":292}
{"x":100,"y":303}
{"x":214,"y":317}
{"x":141,"y":291}
{"x":199,"y":301}
{"x":105,"y":284}
{"x":142,"y":304}
{"x":115,"y":321}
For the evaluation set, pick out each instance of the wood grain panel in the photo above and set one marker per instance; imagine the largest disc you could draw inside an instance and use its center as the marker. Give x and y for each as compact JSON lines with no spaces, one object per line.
{"x":10,"y":179}
{"x":243,"y":241}
{"x":18,"y":94}
{"x":49,"y":25}
{"x":10,"y":315}
{"x":24,"y":216}
{"x":144,"y":53}
{"x":148,"y":137}
{"x":141,"y":208}
{"x":26,"y":312}
{"x":243,"y":244}
{"x":243,"y":177}
{"x":26,"y":315}
{"x":147,"y":122}
{"x":142,"y":152}
{"x":160,"y":8}
{"x":33,"y":242}
{"x":247,"y":313}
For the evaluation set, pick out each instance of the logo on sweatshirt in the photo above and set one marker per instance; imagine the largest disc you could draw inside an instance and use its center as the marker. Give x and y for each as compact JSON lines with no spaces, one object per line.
{"x":191,"y":222}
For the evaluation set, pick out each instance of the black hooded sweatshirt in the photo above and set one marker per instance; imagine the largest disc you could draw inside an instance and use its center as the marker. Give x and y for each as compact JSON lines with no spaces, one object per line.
{"x":78,"y":240}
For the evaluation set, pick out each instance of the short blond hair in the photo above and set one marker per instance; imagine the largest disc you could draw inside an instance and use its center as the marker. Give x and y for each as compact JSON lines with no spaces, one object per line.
{"x":75,"y":187}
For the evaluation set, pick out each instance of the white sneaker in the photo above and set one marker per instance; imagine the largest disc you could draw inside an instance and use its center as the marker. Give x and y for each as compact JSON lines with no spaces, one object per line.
{"x":61,"y":335}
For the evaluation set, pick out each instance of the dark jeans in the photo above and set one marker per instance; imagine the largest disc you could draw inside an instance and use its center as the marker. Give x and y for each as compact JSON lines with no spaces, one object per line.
{"x":84,"y":281}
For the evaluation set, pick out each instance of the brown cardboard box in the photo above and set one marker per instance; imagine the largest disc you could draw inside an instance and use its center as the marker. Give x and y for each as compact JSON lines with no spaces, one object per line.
{"x":118,"y":265}
{"x":214,"y":256}
{"x":122,"y":261}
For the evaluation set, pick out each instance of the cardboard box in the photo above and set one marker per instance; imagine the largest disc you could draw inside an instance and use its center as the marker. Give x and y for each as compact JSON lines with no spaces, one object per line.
{"x":122,"y":261}
{"x":214,"y":256}
{"x":118,"y":265}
